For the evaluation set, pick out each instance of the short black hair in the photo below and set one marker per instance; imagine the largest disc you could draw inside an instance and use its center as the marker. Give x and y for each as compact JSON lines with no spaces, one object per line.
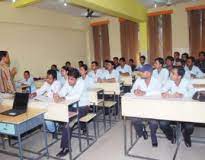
{"x":115,"y":58}
{"x":27,"y":72}
{"x":54,"y":65}
{"x":80,"y":62}
{"x":177,"y":53}
{"x":180,"y":70}
{"x":185,"y":54}
{"x":73,"y":72}
{"x":191,"y":58}
{"x":160,"y":60}
{"x":65,"y":68}
{"x":67,"y":63}
{"x":95,"y":62}
{"x":84,"y":66}
{"x":131,"y":60}
{"x":143,"y":57}
{"x":202,"y":53}
{"x":122,"y":59}
{"x":53,"y":73}
{"x":3,"y":54}
{"x":170,"y":58}
{"x":111,"y":62}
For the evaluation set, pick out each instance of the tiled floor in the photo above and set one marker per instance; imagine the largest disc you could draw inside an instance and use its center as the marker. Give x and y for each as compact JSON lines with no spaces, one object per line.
{"x":111,"y":147}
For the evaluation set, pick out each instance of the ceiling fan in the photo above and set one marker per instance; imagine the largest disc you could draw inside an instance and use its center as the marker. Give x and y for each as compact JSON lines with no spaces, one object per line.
{"x":90,"y":14}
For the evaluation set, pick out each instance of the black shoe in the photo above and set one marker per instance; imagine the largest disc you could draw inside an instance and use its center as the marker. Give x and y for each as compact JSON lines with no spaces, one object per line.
{"x":145,"y":135}
{"x":85,"y":132}
{"x":63,"y":153}
{"x":187,"y":141}
{"x":154,"y":144}
{"x":173,"y":140}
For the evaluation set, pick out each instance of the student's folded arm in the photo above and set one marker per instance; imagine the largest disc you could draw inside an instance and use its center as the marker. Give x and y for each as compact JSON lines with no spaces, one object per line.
{"x":42,"y":90}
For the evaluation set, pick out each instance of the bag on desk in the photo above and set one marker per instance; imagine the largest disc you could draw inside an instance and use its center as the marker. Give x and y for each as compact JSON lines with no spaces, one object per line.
{"x":199,"y":96}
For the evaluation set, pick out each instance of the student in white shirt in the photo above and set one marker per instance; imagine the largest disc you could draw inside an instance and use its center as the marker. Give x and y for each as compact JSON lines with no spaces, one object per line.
{"x":124,"y":69}
{"x":147,"y":85}
{"x":54,"y":67}
{"x":178,"y":87}
{"x":89,"y":82}
{"x":194,"y":71}
{"x":64,"y":75}
{"x":28,"y":80}
{"x":176,"y":57}
{"x":96,"y":72}
{"x":50,"y":87}
{"x":74,"y":89}
{"x":110,"y":74}
{"x":169,"y":62}
{"x":160,"y":73}
{"x":116,"y":62}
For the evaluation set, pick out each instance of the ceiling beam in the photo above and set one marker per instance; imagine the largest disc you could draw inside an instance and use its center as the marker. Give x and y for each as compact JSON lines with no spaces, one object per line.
{"x":24,"y":3}
{"x":128,"y":9}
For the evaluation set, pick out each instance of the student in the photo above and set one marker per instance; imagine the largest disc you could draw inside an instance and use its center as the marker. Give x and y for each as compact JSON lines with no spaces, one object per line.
{"x":176,"y":56}
{"x":178,"y":87}
{"x":80,"y":63}
{"x":142,"y":62}
{"x":194,"y":71}
{"x":201,"y":61}
{"x":49,"y":88}
{"x":145,"y":86}
{"x":116,"y":62}
{"x":110,"y":75}
{"x":74,"y":89}
{"x":132,"y":65}
{"x":124,"y":69}
{"x":185,"y":56}
{"x":68,"y":64}
{"x":89,"y":82}
{"x":169,"y":62}
{"x":95,"y":72}
{"x":28,"y":80}
{"x":64,"y":75}
{"x":55,"y":68}
{"x":6,"y":75}
{"x":160,"y":73}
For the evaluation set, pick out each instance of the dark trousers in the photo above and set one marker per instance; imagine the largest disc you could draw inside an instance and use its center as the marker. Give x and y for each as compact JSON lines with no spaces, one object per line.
{"x":187,"y":129}
{"x":140,"y":128}
{"x":65,"y":139}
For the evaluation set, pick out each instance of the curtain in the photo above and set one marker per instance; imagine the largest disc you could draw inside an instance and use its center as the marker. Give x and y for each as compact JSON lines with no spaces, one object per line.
{"x":101,"y":43}
{"x":129,"y":39}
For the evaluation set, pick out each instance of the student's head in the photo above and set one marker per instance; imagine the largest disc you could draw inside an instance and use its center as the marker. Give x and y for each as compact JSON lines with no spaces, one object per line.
{"x":68,"y":64}
{"x":131,"y":61}
{"x":202,"y":56}
{"x":80,"y":63}
{"x":122,"y":62}
{"x":115,"y":60}
{"x":26,"y":75}
{"x":4,"y":57}
{"x":64,"y":71}
{"x":94,"y":65}
{"x":142,"y":60}
{"x":176,"y":55}
{"x":185,"y":56}
{"x":73,"y":76}
{"x":51,"y":76}
{"x":54,"y":67}
{"x":83,"y":70}
{"x":110,"y":65}
{"x":146,"y":71}
{"x":179,"y":62}
{"x":105,"y":63}
{"x":177,"y":73}
{"x":158,"y":63}
{"x":169,"y":61}
{"x":190,"y":61}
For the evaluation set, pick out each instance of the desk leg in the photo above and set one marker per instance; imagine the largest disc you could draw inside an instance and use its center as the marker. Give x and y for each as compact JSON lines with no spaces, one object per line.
{"x":45,"y":138}
{"x":125,"y":135}
{"x":20,"y":147}
{"x":178,"y":137}
{"x":69,"y":140}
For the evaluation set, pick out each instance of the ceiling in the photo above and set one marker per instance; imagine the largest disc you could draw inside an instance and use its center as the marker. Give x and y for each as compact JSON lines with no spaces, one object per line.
{"x":58,"y":5}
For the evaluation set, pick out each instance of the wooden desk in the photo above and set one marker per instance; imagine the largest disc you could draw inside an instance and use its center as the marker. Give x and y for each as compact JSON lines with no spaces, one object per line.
{"x":16,"y":126}
{"x":93,"y":95}
{"x":127,"y":80}
{"x":109,"y":88}
{"x":198,"y":83}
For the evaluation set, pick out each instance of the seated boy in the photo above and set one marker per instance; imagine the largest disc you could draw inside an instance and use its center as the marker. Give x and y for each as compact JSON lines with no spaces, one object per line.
{"x":178,"y":87}
{"x":147,"y":85}
{"x":74,"y":89}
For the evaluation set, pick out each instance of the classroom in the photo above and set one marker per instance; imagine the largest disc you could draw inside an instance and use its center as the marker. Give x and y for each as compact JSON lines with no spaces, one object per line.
{"x":102,"y":79}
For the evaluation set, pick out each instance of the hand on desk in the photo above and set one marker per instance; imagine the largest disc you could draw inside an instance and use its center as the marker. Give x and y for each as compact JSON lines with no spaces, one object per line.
{"x":32,"y":95}
{"x":175,"y":95}
{"x":139,"y":92}
{"x":57,"y":98}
